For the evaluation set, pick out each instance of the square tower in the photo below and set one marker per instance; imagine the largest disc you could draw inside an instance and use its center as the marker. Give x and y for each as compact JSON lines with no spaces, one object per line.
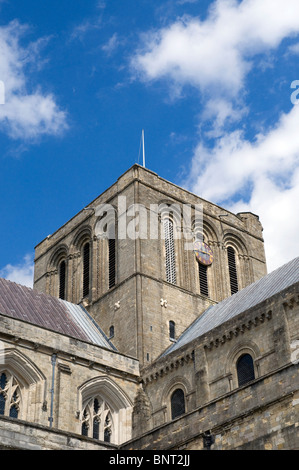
{"x":147,"y":257}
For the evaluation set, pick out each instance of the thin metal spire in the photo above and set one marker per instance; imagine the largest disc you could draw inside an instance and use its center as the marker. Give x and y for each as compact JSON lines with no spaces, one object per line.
{"x":143,"y":148}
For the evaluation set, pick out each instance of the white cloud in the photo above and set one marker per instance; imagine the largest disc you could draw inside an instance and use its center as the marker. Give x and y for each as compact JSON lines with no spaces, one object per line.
{"x":269,"y":167}
{"x":214,"y":56}
{"x":25,"y":114}
{"x":21,"y":273}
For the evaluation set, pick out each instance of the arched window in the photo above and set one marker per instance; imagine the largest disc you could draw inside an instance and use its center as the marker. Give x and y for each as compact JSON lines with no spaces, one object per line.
{"x":171,"y":330}
{"x":9,"y":396}
{"x":111,"y":331}
{"x":86,"y":269}
{"x":111,"y":261}
{"x":177,"y":403}
{"x":231,"y":256}
{"x":203,"y":279}
{"x":62,"y":280}
{"x":96,"y":420}
{"x":169,"y":251}
{"x":245,"y":369}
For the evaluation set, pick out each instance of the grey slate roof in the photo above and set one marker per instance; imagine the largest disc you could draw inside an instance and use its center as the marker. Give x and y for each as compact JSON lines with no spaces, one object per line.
{"x":58,"y":315}
{"x":252,"y":295}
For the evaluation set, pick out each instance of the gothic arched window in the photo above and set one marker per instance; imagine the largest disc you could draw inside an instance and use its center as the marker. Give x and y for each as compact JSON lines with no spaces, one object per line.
{"x":231,"y":256}
{"x":86,"y":269}
{"x":245,"y":369}
{"x":169,"y":251}
{"x":96,"y":420}
{"x":177,"y":403}
{"x":9,"y":396}
{"x":62,"y":280}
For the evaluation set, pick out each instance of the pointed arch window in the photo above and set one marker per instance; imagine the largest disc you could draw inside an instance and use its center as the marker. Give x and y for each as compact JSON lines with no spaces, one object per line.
{"x":9,"y":396}
{"x":169,"y":251}
{"x":97,"y":420}
{"x":177,"y":403}
{"x":245,"y":369}
{"x":233,"y":277}
{"x":86,"y":269}
{"x":62,"y":280}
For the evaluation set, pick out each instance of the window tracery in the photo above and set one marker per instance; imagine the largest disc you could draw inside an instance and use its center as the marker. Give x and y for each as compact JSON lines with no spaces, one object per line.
{"x":10,"y":396}
{"x":97,"y":420}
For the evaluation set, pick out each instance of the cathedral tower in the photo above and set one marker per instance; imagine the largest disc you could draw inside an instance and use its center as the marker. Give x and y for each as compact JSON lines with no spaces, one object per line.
{"x":147,"y":257}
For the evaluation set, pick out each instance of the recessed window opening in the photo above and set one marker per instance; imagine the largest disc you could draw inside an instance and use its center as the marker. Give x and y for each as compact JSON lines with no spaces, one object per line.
{"x":111,"y":332}
{"x":177,"y":403}
{"x":172,"y":330}
{"x":232,"y":270}
{"x":203,"y":279}
{"x":111,"y":261}
{"x":245,"y":369}
{"x":86,"y":269}
{"x":169,"y":251}
{"x":62,"y":280}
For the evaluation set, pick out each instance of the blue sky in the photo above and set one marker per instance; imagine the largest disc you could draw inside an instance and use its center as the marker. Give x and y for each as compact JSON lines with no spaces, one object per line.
{"x":208,"y":81}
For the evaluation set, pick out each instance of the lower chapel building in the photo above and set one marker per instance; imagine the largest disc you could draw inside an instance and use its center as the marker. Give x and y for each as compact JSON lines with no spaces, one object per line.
{"x":141,"y":343}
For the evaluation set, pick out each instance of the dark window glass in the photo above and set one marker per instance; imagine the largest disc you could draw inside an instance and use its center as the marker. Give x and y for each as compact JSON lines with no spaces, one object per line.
{"x":62,"y":274}
{"x":245,"y":369}
{"x":13,"y":412}
{"x":111,"y":248}
{"x":107,"y":435}
{"x":96,"y":428}
{"x":107,"y":430}
{"x":84,"y":429}
{"x":171,"y":330}
{"x":3,"y":381}
{"x":203,"y":279}
{"x":177,"y":403}
{"x":86,"y":269}
{"x":232,"y":270}
{"x":2,"y":404}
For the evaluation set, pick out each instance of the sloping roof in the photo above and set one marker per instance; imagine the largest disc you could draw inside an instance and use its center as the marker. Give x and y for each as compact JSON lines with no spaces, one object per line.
{"x":58,"y":315}
{"x":252,"y":295}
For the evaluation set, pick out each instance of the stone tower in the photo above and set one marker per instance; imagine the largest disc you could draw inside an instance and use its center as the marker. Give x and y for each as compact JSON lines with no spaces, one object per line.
{"x":129,"y":257}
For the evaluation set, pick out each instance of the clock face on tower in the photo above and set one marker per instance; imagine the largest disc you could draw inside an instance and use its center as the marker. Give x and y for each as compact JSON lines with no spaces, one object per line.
{"x":203,"y":253}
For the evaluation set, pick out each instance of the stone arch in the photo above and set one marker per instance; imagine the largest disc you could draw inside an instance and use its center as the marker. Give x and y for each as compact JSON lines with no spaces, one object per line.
{"x":31,"y":380}
{"x":243,"y":347}
{"x":178,"y":382}
{"x":205,"y":276}
{"x":82,"y":285}
{"x":106,"y":236}
{"x":170,"y":216}
{"x":118,"y":401}
{"x":83,"y":235}
{"x":106,"y":221}
{"x":53,"y":282}
{"x":59,"y":254}
{"x":237,"y":245}
{"x":235,"y":241}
